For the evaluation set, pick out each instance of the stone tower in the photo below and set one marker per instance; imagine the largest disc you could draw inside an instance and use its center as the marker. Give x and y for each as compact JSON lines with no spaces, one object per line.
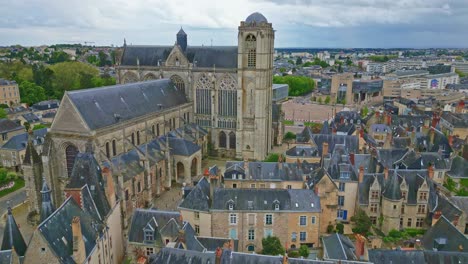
{"x":182,"y":39}
{"x":255,"y":77}
{"x":391,"y":204}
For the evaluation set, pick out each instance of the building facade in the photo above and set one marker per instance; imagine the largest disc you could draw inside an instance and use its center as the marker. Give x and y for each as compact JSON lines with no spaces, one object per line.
{"x":230,"y":87}
{"x":9,"y":92}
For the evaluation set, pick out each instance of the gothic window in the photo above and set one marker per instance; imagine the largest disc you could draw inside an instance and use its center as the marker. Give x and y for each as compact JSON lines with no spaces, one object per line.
{"x":114,"y":147}
{"x":133,"y":138}
{"x":232,"y":140}
{"x":70,"y":154}
{"x":203,"y":95}
{"x":157,"y":130}
{"x":251,"y":48}
{"x":222,"y":139}
{"x":138,"y":137}
{"x":107,"y":150}
{"x":178,"y":82}
{"x":227,"y":97}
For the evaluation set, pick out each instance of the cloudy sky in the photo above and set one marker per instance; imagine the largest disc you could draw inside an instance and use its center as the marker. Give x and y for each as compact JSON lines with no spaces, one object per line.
{"x":298,"y":23}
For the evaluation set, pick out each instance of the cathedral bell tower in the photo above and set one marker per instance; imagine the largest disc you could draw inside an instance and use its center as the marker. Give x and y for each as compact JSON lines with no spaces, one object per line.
{"x":255,"y":72}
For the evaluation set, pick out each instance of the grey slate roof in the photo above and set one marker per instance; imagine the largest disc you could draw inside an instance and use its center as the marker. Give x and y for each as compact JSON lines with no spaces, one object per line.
{"x":57,"y":231}
{"x":387,"y":157}
{"x":256,"y":17}
{"x":264,"y":199}
{"x":190,"y":241}
{"x":449,"y":210}
{"x":444,"y":236}
{"x":31,"y":118}
{"x":12,"y":236}
{"x":303,"y":151}
{"x":46,"y":105}
{"x":458,"y":168}
{"x":7,"y":125}
{"x":19,"y":142}
{"x":264,"y":171}
{"x":182,"y":147}
{"x":86,"y":171}
{"x":199,"y":198}
{"x":102,"y":107}
{"x":461,"y":202}
{"x":6,"y":256}
{"x":200,"y":56}
{"x":211,"y":243}
{"x":383,"y":256}
{"x":338,"y":246}
{"x":158,"y":219}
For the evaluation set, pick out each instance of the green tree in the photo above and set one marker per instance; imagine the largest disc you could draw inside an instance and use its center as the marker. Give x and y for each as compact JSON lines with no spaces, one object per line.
{"x":298,"y":85}
{"x":3,"y":113}
{"x":364,"y":111}
{"x":298,"y":61}
{"x":92,"y":59}
{"x":294,"y":254}
{"x":59,"y":56}
{"x":273,"y":157}
{"x":362,"y":223}
{"x":319,"y":100}
{"x":327,"y":99}
{"x":272,"y":246}
{"x":39,"y":126}
{"x":290,"y":135}
{"x":304,"y":251}
{"x":31,"y":93}
{"x":339,"y":228}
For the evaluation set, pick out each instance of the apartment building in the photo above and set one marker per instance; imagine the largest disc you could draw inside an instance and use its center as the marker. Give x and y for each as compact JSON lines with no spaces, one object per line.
{"x":9,"y":92}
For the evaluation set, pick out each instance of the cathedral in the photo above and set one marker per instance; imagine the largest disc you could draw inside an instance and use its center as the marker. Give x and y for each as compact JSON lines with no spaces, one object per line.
{"x":173,"y":105}
{"x":230,"y":86}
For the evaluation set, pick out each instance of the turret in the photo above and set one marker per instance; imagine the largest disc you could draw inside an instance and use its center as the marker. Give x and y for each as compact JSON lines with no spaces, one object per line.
{"x":47,"y":207}
{"x":182,"y":39}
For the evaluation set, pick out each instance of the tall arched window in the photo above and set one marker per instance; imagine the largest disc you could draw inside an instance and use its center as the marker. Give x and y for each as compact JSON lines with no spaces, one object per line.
{"x":178,"y":82}
{"x":114,"y":147}
{"x":107,"y":150}
{"x":138,"y":137}
{"x":157,"y":130}
{"x":133,"y":138}
{"x":203,"y":95}
{"x":70,"y":155}
{"x":227,"y":97}
{"x":232,"y":140}
{"x":251,"y":49}
{"x":222,"y":139}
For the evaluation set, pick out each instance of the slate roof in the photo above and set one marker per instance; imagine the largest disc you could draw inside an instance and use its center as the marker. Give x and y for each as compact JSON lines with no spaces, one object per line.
{"x":200,"y":56}
{"x":350,"y":142}
{"x":105,"y":106}
{"x":157,"y":219}
{"x":190,"y":132}
{"x":57,"y":232}
{"x":182,"y":147}
{"x":256,"y":17}
{"x":457,"y":120}
{"x":387,"y":157}
{"x":46,"y":105}
{"x":264,"y":171}
{"x":444,"y":236}
{"x":448,"y":209}
{"x":458,"y":168}
{"x":6,"y":256}
{"x":199,"y":198}
{"x":264,"y":199}
{"x":338,"y":246}
{"x":383,"y":256}
{"x":338,"y":164}
{"x":12,"y":236}
{"x":31,"y":118}
{"x":461,"y":202}
{"x":190,"y":241}
{"x":303,"y":151}
{"x":20,"y":141}
{"x":180,"y":256}
{"x":86,"y":171}
{"x":47,"y":208}
{"x":7,"y":125}
{"x":211,"y":243}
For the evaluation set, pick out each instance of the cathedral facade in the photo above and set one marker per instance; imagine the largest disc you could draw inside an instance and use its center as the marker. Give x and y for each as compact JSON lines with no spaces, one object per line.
{"x":230,"y":86}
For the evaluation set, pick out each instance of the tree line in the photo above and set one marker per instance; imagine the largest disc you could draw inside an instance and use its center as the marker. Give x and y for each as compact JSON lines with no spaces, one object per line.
{"x":298,"y":85}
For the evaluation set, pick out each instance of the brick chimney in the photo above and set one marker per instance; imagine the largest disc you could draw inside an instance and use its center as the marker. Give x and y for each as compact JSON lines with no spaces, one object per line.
{"x":436,"y":217}
{"x":456,"y":219}
{"x":351,"y":158}
{"x":79,"y":252}
{"x":431,"y":135}
{"x":430,"y":171}
{"x":280,"y":162}
{"x":386,"y":173}
{"x":389,"y":119}
{"x":450,"y":140}
{"x":360,"y":244}
{"x":361,"y":174}
{"x":435,"y":119}
{"x":218,"y":254}
{"x":324,"y":149}
{"x":214,"y":180}
{"x":110,"y":189}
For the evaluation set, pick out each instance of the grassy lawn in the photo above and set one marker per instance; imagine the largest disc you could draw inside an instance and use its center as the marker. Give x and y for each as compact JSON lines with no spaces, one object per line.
{"x":19,"y":183}
{"x":288,"y":122}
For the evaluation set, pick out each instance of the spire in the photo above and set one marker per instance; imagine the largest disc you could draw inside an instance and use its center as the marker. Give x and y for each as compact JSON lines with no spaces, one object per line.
{"x":12,"y":237}
{"x":125,"y":43}
{"x":181,"y":31}
{"x":31,"y":157}
{"x":392,"y":188}
{"x":47,"y":207}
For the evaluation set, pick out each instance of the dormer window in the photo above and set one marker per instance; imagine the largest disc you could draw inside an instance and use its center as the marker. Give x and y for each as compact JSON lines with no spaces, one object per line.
{"x":149,"y":235}
{"x":231,"y":205}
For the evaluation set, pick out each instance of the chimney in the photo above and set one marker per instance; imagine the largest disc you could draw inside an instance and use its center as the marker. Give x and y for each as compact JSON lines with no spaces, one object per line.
{"x":324,"y":149}
{"x":455,"y":220}
{"x":361,"y":133}
{"x":436,"y":217}
{"x":389,"y":119}
{"x":360,"y":242}
{"x":413,"y":139}
{"x":341,"y":120}
{"x":431,"y":135}
{"x":388,"y":140}
{"x":450,"y":140}
{"x":246,"y":168}
{"x":219,"y":253}
{"x":79,"y":252}
{"x":316,"y":190}
{"x":285,"y":258}
{"x":377,"y":114}
{"x":280,"y":162}
{"x":213,"y":184}
{"x":351,"y":158}
{"x":386,"y":173}
{"x":361,"y":174}
{"x":110,"y":189}
{"x":181,"y":236}
{"x":435,"y":119}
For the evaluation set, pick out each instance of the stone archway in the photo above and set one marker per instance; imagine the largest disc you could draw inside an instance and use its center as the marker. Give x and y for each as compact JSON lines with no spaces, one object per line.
{"x":150,"y":76}
{"x":129,"y":77}
{"x":180,"y":171}
{"x":194,"y":167}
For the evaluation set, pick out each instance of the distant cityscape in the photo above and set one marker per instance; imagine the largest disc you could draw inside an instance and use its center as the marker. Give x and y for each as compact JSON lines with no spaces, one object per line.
{"x":233,"y":154}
